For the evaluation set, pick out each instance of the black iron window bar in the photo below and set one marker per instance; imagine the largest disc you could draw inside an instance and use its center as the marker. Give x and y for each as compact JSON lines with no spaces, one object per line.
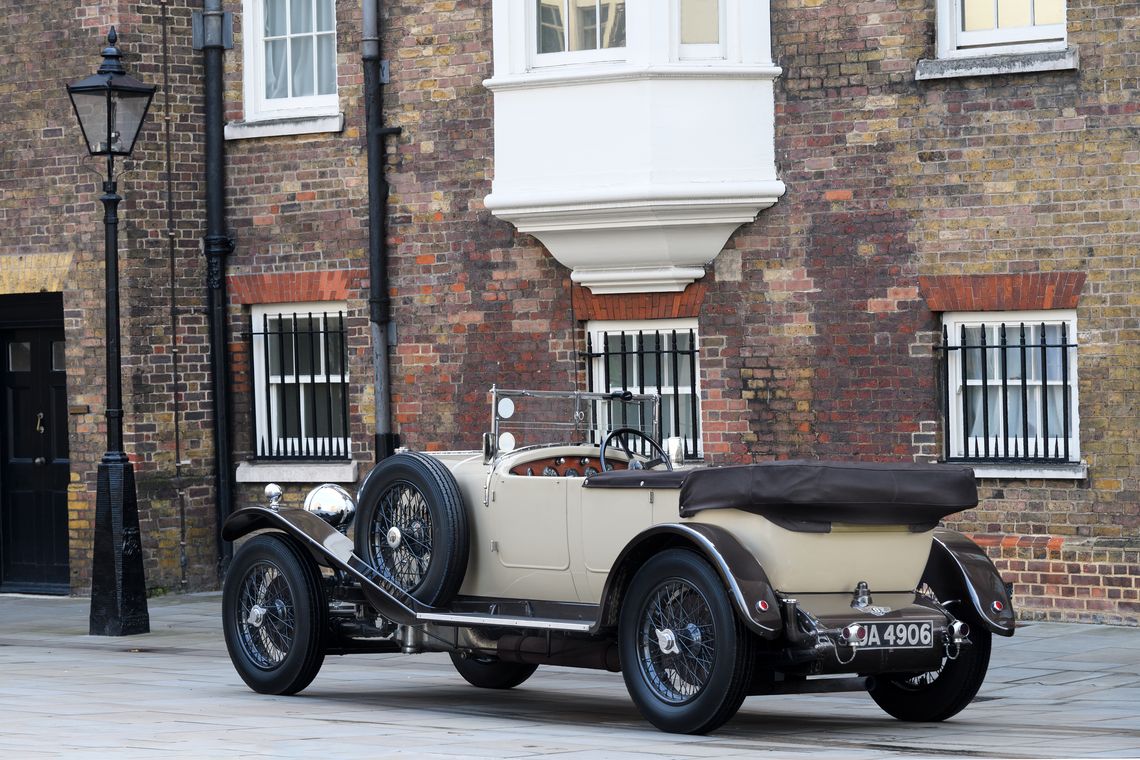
{"x":1003,"y":412}
{"x":304,"y":386}
{"x":661,"y":362}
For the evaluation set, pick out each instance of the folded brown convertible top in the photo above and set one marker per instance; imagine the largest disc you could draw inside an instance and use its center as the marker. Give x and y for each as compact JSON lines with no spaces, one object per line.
{"x":810,"y":495}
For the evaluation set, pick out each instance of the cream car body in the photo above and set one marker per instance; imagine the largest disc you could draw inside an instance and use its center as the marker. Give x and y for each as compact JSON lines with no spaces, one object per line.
{"x":702,"y":585}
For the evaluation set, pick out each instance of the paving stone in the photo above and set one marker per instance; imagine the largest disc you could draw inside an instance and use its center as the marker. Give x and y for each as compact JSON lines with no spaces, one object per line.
{"x":1057,"y":691}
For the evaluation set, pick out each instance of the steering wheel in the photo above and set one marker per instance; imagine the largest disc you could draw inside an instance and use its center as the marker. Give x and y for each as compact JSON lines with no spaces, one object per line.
{"x":622,"y":436}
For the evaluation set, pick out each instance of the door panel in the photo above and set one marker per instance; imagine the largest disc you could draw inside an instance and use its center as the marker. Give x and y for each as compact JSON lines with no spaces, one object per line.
{"x":34,"y":462}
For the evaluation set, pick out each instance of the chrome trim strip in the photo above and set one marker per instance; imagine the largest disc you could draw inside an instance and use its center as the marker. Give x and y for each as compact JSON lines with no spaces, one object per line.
{"x":544,"y":624}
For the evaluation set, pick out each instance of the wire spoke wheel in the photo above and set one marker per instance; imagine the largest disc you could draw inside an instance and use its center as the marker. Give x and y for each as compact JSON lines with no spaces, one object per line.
{"x":686,"y":657}
{"x":938,"y":694}
{"x":401,"y":535}
{"x":266,"y":616}
{"x":412,"y":527}
{"x":677,"y":641}
{"x":274,"y":614}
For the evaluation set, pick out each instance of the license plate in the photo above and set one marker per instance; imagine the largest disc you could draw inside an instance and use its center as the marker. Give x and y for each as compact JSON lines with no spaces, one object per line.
{"x":899,"y":635}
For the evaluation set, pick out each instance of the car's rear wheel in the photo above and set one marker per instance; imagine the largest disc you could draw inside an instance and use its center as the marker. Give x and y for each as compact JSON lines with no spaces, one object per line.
{"x":938,"y":694}
{"x":491,"y":672}
{"x":685,"y":656}
{"x":413,"y":527}
{"x":274,"y":614}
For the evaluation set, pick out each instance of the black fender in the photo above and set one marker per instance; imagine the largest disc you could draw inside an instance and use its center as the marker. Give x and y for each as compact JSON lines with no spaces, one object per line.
{"x":329,"y":547}
{"x":744,"y":578}
{"x":957,"y":562}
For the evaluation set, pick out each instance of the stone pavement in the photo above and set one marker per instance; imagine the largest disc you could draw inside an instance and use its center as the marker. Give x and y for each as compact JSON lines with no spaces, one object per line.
{"x":1053,"y":691}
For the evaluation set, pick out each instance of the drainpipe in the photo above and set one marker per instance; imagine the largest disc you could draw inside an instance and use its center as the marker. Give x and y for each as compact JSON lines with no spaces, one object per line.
{"x":217,"y":245}
{"x":379,"y":303}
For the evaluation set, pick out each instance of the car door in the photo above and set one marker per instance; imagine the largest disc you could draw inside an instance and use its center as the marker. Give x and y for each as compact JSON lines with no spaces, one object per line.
{"x":529,"y":537}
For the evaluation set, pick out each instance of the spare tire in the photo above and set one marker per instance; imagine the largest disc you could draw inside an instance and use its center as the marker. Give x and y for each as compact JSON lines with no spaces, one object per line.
{"x":412,"y":526}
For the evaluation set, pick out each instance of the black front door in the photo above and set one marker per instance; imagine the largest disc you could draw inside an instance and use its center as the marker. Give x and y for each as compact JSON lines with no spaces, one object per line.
{"x":34,"y":464}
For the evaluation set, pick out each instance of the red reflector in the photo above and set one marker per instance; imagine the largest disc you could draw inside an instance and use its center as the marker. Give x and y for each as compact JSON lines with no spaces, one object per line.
{"x":998,"y":606}
{"x":762,"y":605}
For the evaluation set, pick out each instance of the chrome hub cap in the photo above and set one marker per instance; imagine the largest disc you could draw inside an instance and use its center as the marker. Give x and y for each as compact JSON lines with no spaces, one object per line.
{"x":394,"y":537}
{"x":256,"y":616}
{"x":667,"y":641}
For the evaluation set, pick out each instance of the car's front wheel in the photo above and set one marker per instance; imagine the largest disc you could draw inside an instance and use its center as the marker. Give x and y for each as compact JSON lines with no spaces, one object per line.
{"x":685,"y":656}
{"x":274,"y":614}
{"x":491,"y":672}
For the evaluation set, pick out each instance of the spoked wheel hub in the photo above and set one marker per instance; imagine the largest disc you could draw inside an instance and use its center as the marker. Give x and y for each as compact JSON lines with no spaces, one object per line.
{"x":678,"y":641}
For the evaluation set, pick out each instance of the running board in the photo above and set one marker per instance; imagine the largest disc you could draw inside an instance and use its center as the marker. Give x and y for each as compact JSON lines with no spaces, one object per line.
{"x":469,"y":619}
{"x":333,"y":548}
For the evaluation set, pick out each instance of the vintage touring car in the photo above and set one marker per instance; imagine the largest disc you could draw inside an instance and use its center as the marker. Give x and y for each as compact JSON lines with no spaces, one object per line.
{"x":575,"y":538}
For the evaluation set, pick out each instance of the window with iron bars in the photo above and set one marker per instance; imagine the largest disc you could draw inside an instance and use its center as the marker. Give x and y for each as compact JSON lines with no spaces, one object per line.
{"x":659,"y":356}
{"x":300,"y":389}
{"x":1011,"y":387}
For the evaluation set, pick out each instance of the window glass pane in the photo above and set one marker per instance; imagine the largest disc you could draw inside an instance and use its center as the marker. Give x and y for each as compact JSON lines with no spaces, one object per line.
{"x":58,"y":356}
{"x":978,"y":15}
{"x":276,"y":65}
{"x":972,"y":343}
{"x":613,"y":23}
{"x":337,"y":393}
{"x":551,"y":32}
{"x":1053,"y":351}
{"x":1049,"y":12}
{"x":621,"y":348}
{"x":583,"y":32}
{"x":280,"y":346}
{"x":650,"y":359}
{"x":302,"y":67}
{"x":335,"y":337}
{"x":306,"y":346}
{"x":1013,"y":14}
{"x":684,"y":359}
{"x":275,"y":18}
{"x":19,"y":357}
{"x":326,"y":16}
{"x":287,"y":411}
{"x":300,"y":16}
{"x":700,"y":22}
{"x":326,"y":64}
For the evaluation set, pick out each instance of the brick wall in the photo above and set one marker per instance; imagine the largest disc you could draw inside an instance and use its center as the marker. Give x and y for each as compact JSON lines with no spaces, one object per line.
{"x":49,"y":204}
{"x":818,"y":322}
{"x":892,"y":182}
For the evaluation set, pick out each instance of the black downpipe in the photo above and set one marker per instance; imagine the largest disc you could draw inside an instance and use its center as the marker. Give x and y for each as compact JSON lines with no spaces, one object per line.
{"x":379,"y":302}
{"x":217,"y":245}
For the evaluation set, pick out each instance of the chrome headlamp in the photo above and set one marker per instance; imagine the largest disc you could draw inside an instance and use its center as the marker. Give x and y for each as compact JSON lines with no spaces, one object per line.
{"x":332,"y":504}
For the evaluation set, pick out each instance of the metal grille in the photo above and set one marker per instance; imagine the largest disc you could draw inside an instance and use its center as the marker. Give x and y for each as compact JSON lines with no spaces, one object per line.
{"x":1009,"y":393}
{"x":300,"y":386}
{"x":651,"y":361}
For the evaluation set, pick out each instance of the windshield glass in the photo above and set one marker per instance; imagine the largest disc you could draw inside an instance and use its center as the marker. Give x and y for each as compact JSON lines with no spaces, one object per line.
{"x":538,"y":418}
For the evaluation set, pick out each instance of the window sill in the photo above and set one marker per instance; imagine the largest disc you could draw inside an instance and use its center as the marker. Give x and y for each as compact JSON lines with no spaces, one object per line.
{"x":993,"y":65}
{"x":1074,"y":471}
{"x":297,"y":472}
{"x":293,"y":125}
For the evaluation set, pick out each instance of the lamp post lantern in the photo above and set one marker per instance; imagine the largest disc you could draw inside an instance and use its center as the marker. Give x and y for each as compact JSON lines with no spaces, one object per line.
{"x":111,"y":107}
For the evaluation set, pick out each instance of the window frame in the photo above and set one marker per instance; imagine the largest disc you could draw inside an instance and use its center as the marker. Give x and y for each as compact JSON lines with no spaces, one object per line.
{"x":954,"y":394}
{"x":596,"y":373}
{"x":539,"y":60}
{"x":257,"y":106}
{"x":266,"y":398}
{"x":954,"y":42}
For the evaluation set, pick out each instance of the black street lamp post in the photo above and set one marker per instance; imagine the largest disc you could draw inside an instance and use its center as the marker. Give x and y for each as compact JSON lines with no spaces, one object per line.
{"x":111,"y":107}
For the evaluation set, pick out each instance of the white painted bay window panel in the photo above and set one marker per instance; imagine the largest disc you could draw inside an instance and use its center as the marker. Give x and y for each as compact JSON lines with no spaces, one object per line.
{"x":634,"y":169}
